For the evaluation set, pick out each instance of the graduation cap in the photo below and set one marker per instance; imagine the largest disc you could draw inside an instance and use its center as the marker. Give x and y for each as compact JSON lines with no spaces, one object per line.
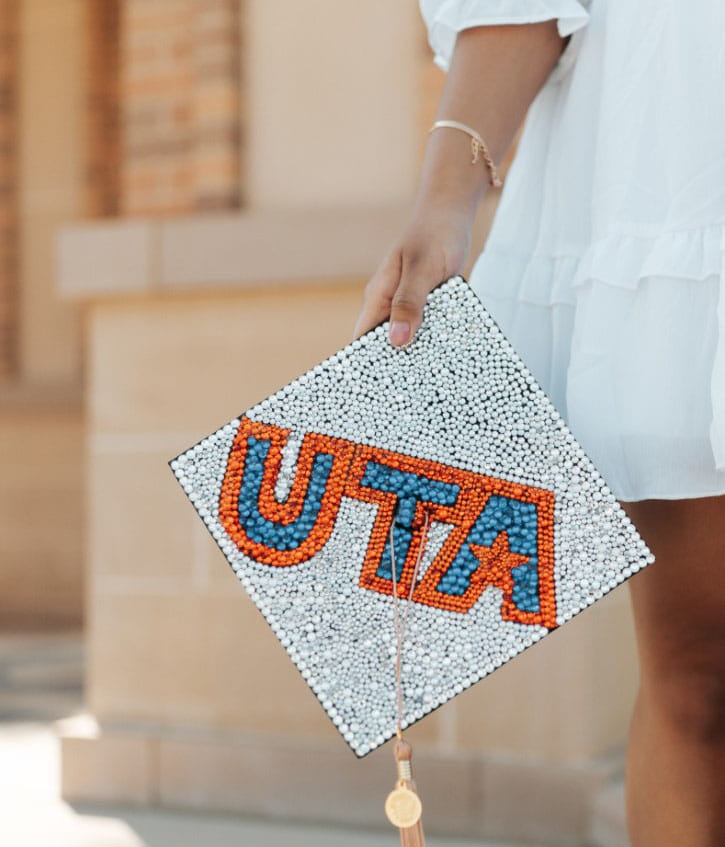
{"x":408,"y":519}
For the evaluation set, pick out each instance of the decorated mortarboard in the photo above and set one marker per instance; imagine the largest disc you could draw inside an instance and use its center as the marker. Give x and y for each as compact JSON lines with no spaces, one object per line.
{"x":408,"y":519}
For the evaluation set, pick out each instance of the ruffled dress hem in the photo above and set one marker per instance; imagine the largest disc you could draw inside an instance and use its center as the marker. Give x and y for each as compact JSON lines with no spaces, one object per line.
{"x":628,"y":306}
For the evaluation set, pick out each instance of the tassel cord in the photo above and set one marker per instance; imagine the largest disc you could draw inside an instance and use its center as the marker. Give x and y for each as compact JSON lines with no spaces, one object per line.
{"x":401,"y":627}
{"x":405,"y":807}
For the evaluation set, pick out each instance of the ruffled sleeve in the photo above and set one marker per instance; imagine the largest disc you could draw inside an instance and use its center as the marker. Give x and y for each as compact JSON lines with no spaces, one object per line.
{"x":444,"y":19}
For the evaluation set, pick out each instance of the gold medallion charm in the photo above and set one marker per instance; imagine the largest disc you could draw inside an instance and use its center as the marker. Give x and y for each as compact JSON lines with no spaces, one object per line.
{"x":403,"y":806}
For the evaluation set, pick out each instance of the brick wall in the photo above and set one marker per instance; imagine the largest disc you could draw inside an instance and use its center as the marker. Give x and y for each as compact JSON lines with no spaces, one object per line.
{"x":179,"y":105}
{"x":104,"y":151}
{"x":8,"y":206}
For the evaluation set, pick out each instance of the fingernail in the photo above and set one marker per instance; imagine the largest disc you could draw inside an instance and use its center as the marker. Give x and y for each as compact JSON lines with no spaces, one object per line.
{"x":399,"y":332}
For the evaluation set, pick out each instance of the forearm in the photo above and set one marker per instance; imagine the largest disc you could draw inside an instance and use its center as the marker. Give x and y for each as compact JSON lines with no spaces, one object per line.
{"x":494,"y":74}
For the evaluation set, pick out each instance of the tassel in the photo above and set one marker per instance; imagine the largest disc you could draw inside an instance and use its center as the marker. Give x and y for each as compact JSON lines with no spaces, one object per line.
{"x":403,"y":806}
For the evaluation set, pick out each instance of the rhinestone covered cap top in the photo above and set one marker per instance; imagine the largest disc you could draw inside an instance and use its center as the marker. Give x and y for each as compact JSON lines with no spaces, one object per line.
{"x":300,"y":491}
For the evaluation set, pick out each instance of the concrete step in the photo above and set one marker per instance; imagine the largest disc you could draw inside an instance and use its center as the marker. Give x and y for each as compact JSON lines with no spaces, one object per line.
{"x":41,"y":675}
{"x":41,"y":680}
{"x":35,"y":816}
{"x":608,"y":824}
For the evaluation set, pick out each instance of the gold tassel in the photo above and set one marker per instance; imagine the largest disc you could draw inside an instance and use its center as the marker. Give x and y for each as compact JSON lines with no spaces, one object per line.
{"x":403,"y":806}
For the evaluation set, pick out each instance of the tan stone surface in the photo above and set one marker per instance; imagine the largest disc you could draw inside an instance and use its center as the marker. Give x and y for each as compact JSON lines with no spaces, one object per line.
{"x":348,"y":135}
{"x":204,"y":660}
{"x":40,"y":518}
{"x":449,"y":784}
{"x":566,"y":697}
{"x":189,"y":365}
{"x":284,"y":778}
{"x":117,"y":257}
{"x":51,"y":179}
{"x":281,"y":244}
{"x":462,"y":794}
{"x":191,"y":658}
{"x":531,"y":801}
{"x":139,"y":525}
{"x":304,"y":778}
{"x":108,"y":769}
{"x":248,"y":249}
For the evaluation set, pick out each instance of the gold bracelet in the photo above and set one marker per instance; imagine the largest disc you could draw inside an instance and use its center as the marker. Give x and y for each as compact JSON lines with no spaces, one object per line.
{"x":478,"y":145}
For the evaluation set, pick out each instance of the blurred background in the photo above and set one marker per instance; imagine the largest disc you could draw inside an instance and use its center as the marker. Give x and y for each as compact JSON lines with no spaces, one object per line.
{"x":193,"y":194}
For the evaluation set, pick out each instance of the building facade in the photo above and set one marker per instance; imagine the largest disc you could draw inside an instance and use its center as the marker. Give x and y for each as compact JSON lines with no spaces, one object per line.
{"x":193,"y":195}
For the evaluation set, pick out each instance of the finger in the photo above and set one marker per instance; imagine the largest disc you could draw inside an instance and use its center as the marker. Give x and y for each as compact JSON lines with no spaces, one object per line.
{"x":378,"y":296}
{"x":406,"y":311}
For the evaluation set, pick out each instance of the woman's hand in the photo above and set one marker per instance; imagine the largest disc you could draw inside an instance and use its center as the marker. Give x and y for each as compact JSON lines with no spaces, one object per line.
{"x":495,"y":73}
{"x":433,"y":247}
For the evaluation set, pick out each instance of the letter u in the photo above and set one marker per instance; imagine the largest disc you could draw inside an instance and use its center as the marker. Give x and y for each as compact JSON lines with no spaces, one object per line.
{"x":290,"y":532}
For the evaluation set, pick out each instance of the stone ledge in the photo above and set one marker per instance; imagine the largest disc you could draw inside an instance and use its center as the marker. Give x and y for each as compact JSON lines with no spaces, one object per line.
{"x":139,"y":255}
{"x":20,"y":397}
{"x":480,"y":796}
{"x":106,"y":257}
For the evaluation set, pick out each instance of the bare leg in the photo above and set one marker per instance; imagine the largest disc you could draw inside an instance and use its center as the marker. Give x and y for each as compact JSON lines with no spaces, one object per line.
{"x":675,"y":773}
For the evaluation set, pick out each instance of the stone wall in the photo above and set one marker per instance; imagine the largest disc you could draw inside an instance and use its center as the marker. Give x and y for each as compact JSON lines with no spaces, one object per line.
{"x":191,"y":315}
{"x":42,"y":169}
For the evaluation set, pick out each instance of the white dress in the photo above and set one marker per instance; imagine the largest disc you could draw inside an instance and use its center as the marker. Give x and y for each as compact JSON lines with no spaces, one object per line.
{"x":605,"y":263}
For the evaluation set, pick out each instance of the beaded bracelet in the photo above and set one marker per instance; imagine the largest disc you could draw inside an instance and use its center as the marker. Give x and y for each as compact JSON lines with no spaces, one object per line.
{"x":478,"y":145}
